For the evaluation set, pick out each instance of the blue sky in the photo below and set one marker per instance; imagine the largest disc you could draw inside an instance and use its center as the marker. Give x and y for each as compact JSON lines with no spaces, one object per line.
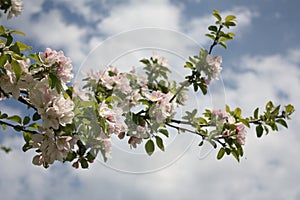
{"x":262,"y":63}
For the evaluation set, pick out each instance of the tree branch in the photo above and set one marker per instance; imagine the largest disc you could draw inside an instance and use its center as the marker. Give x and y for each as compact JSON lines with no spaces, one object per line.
{"x":18,"y":127}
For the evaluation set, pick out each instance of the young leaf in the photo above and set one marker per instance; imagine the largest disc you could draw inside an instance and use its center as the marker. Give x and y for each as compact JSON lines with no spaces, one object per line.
{"x":26,"y":120}
{"x":230,"y":18}
{"x":149,"y":147}
{"x":282,"y":122}
{"x":256,"y":113}
{"x":15,"y":118}
{"x":259,"y":130}
{"x":17,"y":68}
{"x":27,"y":136}
{"x":221,"y":153}
{"x":159,"y":143}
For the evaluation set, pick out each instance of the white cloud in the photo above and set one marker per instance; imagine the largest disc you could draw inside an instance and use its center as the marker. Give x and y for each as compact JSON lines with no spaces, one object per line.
{"x":136,"y":14}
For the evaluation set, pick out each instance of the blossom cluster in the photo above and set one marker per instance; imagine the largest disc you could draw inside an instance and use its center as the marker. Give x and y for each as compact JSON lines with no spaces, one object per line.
{"x":52,"y":147}
{"x":239,"y":133}
{"x":59,"y":63}
{"x":132,"y":94}
{"x":23,"y":80}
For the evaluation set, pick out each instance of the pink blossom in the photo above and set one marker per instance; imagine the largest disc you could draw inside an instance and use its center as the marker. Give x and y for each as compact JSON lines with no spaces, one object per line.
{"x":58,"y":61}
{"x":133,"y":141}
{"x":160,"y":60}
{"x":241,"y":133}
{"x":54,"y":109}
{"x":51,"y":147}
{"x":215,"y":64}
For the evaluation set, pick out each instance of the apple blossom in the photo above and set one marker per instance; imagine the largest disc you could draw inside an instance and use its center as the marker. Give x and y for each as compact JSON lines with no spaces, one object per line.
{"x":54,"y":109}
{"x":215,"y":64}
{"x":59,"y":63}
{"x":241,"y":133}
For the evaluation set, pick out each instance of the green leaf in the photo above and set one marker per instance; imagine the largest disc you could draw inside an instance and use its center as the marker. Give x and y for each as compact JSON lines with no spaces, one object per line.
{"x":282,"y":122}
{"x":149,"y":147}
{"x":36,"y":116}
{"x":3,"y":116}
{"x":164,"y":132}
{"x":230,"y":18}
{"x":213,"y":28}
{"x":259,"y":130}
{"x":17,"y":32}
{"x":27,"y":136}
{"x":201,"y":143}
{"x":159,"y":143}
{"x":17,"y":69}
{"x":15,"y":118}
{"x":90,"y":156}
{"x":228,"y":24}
{"x":256,"y":113}
{"x":23,"y":46}
{"x":189,"y":65}
{"x":26,"y":147}
{"x":227,"y":108}
{"x":222,"y":44}
{"x":210,"y":36}
{"x":237,"y":112}
{"x":84,"y":163}
{"x":221,"y":153}
{"x":26,"y":120}
{"x":3,"y":59}
{"x":217,"y":15}
{"x":55,"y":82}
{"x":235,"y":154}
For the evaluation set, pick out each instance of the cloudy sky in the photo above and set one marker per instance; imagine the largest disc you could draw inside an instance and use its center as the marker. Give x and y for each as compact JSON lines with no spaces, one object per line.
{"x":262,"y":63}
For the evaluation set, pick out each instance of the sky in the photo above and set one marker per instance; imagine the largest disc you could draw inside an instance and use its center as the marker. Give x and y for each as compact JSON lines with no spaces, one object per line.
{"x":262,"y":63}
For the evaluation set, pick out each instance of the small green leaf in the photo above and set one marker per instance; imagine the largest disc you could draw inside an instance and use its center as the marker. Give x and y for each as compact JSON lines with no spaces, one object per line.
{"x":256,"y":113}
{"x":26,"y":147}
{"x":235,"y":154}
{"x":237,"y":112}
{"x":282,"y":122}
{"x":223,"y":45}
{"x":149,"y":147}
{"x":217,"y":15}
{"x":259,"y":130}
{"x":227,"y":108}
{"x":17,"y":32}
{"x":23,"y":46}
{"x":164,"y":132}
{"x":221,"y":153}
{"x":36,"y":116}
{"x":210,"y":36}
{"x":27,"y":136}
{"x":26,"y":120}
{"x":3,"y":59}
{"x":15,"y":118}
{"x":201,"y":143}
{"x":84,"y":163}
{"x":3,"y":116}
{"x":17,"y":69}
{"x":159,"y":143}
{"x":230,"y":18}
{"x":213,"y":28}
